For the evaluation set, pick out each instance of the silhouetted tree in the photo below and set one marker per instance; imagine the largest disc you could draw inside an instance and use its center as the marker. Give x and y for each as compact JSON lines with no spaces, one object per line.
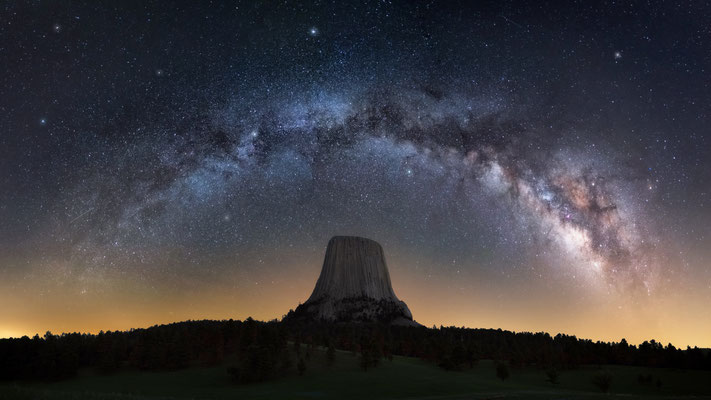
{"x":603,"y":380}
{"x":552,"y":376}
{"x":301,"y":366}
{"x":331,"y":354}
{"x":502,"y":371}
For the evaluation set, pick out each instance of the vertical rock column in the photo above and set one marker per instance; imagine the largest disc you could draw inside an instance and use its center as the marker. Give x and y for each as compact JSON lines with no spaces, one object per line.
{"x":354,"y":274}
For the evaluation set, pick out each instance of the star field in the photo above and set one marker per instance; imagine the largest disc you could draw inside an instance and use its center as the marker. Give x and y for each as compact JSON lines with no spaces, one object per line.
{"x":533,"y":167}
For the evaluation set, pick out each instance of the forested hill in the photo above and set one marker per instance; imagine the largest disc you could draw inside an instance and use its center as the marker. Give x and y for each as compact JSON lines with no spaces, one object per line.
{"x":263,"y":350}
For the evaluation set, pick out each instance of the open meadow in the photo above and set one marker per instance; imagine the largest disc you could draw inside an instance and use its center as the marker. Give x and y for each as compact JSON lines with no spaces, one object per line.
{"x":402,"y":378}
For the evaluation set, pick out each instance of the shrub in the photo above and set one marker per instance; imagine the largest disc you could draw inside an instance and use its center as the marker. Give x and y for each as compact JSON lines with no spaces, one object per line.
{"x":331,"y":354}
{"x":502,"y":371}
{"x":301,"y":366}
{"x":552,"y":375}
{"x":603,"y":381}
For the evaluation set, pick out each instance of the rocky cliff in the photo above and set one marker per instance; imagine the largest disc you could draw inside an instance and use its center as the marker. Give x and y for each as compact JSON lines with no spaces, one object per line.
{"x":354,"y":285}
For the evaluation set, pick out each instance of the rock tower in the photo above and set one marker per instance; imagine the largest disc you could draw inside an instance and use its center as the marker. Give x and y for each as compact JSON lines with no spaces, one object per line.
{"x":354,"y":285}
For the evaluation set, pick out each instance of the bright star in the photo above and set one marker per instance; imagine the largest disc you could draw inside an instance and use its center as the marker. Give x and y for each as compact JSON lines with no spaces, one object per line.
{"x":313,"y":31}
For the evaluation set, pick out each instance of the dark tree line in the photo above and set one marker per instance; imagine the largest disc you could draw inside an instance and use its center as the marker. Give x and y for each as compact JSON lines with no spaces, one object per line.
{"x":258,"y":351}
{"x":457,"y":348}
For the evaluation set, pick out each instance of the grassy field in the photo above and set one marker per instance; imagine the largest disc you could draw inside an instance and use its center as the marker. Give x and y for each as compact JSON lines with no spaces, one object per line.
{"x":402,"y":378}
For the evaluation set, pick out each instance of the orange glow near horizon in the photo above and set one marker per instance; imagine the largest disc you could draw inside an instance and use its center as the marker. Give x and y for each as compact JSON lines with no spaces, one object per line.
{"x":125,"y":304}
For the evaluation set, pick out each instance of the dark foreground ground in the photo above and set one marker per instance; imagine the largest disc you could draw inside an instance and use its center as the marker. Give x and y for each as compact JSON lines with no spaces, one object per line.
{"x":401,"y":378}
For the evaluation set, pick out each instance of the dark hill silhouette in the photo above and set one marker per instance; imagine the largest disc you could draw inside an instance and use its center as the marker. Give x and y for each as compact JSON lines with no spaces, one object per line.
{"x":265,"y":344}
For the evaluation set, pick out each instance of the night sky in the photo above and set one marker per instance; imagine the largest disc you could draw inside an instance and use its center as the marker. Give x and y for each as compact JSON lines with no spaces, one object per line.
{"x":539,"y":167}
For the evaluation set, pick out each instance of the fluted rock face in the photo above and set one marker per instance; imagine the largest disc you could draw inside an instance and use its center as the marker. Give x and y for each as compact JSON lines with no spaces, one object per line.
{"x":353,"y":267}
{"x":354,"y":285}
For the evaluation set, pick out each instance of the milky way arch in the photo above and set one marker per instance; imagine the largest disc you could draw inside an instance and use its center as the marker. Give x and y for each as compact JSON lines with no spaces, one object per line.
{"x":237,"y":164}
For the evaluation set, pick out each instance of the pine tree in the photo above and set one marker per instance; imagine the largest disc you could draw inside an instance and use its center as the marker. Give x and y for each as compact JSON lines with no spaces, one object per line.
{"x":301,"y":366}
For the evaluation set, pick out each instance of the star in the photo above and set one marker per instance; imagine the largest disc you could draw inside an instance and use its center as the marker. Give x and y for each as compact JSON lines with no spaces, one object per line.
{"x":266,"y":135}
